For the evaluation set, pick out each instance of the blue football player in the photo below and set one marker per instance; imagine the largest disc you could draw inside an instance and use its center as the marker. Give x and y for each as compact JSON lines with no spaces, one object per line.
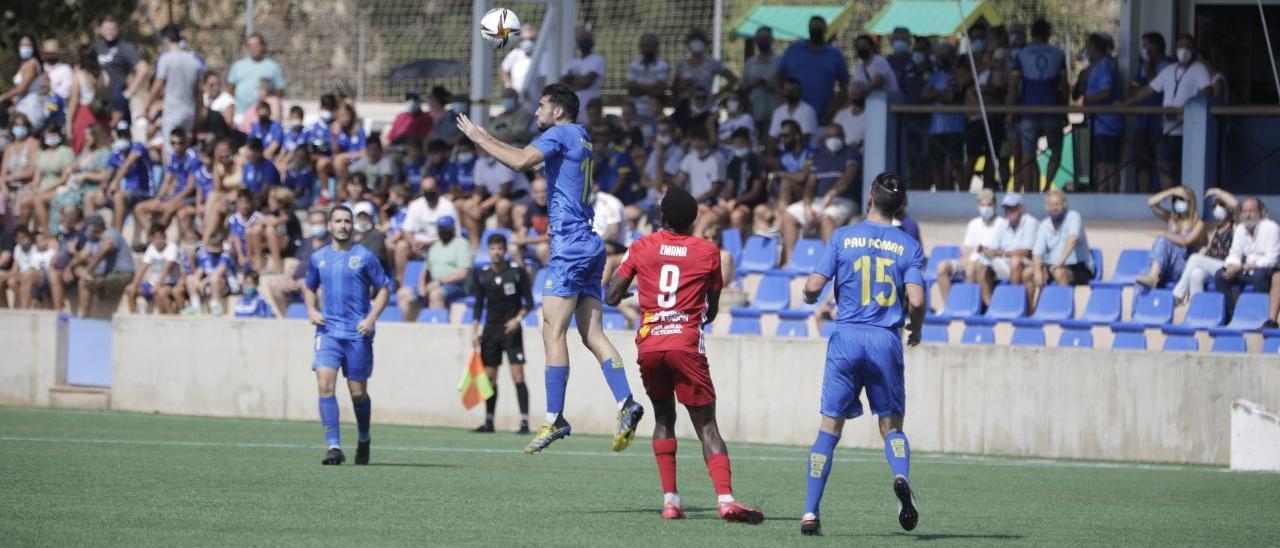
{"x":576,"y":267}
{"x":346,"y":274}
{"x":879,"y":284}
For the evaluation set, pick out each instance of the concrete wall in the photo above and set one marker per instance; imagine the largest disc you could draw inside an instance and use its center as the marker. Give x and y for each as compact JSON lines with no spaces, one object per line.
{"x":30,"y":356}
{"x":1090,"y":404}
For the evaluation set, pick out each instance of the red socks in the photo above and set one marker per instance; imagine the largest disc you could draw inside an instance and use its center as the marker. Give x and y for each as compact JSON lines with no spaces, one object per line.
{"x":664,"y":450}
{"x":718,"y":465}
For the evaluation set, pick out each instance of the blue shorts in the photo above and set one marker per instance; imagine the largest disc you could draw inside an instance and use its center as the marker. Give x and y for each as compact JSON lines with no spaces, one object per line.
{"x":353,"y":356}
{"x":576,"y":266}
{"x":863,"y":357}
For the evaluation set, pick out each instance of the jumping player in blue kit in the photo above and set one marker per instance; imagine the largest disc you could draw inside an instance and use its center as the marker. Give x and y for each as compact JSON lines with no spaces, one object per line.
{"x":576,"y":266}
{"x":346,"y":274}
{"x":875,"y":266}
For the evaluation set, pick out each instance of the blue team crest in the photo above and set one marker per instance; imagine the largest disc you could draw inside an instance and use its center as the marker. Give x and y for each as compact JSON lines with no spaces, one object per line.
{"x":353,"y":262}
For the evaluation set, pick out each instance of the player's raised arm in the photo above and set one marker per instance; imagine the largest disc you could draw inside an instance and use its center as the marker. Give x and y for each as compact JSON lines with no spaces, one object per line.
{"x":519,"y":159}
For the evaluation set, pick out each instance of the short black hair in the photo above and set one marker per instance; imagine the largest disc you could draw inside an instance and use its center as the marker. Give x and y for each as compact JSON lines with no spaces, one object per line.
{"x":255,"y":144}
{"x":251,"y":275}
{"x":155,"y":229}
{"x":679,"y":209}
{"x":888,"y":193}
{"x":793,"y":80}
{"x":245,"y":194}
{"x":562,"y":96}
{"x":171,"y":33}
{"x":437,"y":145}
{"x":1156,"y":39}
{"x":328,"y":101}
{"x":740,"y":133}
{"x":699,"y":132}
{"x":497,"y":238}
{"x":1041,"y":29}
{"x":793,"y":124}
{"x":335,"y":210}
{"x":295,"y":109}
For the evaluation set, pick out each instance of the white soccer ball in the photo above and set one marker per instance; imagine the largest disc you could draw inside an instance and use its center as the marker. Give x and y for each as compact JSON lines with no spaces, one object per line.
{"x":499,"y":27}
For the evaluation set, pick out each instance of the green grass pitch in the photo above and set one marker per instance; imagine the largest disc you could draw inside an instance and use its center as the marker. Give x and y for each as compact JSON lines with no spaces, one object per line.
{"x":80,"y":478}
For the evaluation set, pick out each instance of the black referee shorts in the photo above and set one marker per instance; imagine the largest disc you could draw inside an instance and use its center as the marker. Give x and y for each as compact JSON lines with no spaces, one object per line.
{"x":494,"y":341}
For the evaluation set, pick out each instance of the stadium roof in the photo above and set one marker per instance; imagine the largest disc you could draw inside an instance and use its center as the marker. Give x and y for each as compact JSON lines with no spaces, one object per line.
{"x":933,"y":17}
{"x":791,"y":22}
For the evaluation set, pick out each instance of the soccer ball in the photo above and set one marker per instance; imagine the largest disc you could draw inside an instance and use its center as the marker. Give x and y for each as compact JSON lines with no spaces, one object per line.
{"x":499,"y":27}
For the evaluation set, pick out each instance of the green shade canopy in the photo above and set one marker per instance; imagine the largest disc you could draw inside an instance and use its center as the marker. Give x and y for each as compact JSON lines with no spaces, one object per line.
{"x":933,"y":17}
{"x":792,"y":22}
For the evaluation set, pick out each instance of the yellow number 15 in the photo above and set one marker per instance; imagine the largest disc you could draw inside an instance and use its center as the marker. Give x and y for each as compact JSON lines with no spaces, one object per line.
{"x":863,"y":265}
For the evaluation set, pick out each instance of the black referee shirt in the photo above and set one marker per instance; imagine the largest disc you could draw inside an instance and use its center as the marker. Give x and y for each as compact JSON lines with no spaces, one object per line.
{"x":502,"y":291}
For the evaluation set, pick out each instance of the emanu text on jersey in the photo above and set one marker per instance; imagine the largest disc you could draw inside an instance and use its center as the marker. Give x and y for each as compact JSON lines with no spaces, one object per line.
{"x":875,"y":243}
{"x":673,"y":251}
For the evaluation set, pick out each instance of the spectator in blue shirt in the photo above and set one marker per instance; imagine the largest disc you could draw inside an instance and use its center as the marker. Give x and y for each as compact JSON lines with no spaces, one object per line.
{"x":300,"y":177}
{"x":267,"y":130}
{"x":348,"y":138}
{"x":459,"y":176}
{"x":413,"y":163}
{"x":251,"y":304}
{"x":1039,"y":78}
{"x":213,"y":276}
{"x":1103,"y":86}
{"x":258,"y":174}
{"x":946,"y":131}
{"x":1147,"y":128}
{"x":131,"y":183}
{"x":819,"y":67}
{"x":178,"y":189}
{"x":792,"y":170}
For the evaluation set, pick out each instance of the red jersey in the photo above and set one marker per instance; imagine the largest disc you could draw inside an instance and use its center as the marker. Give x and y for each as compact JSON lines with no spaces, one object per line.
{"x":673,"y":275}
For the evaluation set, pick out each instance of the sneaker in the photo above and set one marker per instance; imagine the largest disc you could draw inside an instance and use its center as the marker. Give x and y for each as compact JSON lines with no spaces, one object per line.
{"x":333,"y":456}
{"x":736,"y":511}
{"x":215,"y":308}
{"x":524,"y":428}
{"x":907,"y":514}
{"x":362,"y":453}
{"x":671,"y":510}
{"x":191,"y":311}
{"x":811,"y":527}
{"x":548,"y":433}
{"x":628,"y":418}
{"x":486,"y":428}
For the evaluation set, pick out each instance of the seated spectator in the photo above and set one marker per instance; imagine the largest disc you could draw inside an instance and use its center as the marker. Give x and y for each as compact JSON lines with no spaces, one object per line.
{"x":251,"y":303}
{"x":278,"y":231}
{"x":348,"y":138}
{"x":131,"y":183}
{"x":320,"y":135}
{"x":300,"y":177}
{"x":459,"y":180}
{"x":295,"y":137}
{"x":281,"y":289}
{"x":497,"y":189}
{"x":744,"y":188}
{"x":738,"y":115}
{"x":52,"y":163}
{"x":701,"y":171}
{"x":444,"y":277}
{"x":155,"y":279}
{"x":30,"y":268}
{"x":378,"y":169}
{"x":411,"y":125}
{"x":365,"y":232}
{"x":946,"y":131}
{"x":830,"y":194}
{"x":532,"y":237}
{"x":420,"y":224}
{"x":437,"y":165}
{"x":873,"y":73}
{"x":213,"y":277}
{"x":853,"y":123}
{"x":178,"y":189}
{"x":103,"y":267}
{"x":981,"y":238}
{"x":1186,"y":230}
{"x":1213,"y":255}
{"x":1252,"y":258}
{"x":220,"y":196}
{"x":795,"y":110}
{"x":514,"y":125}
{"x":695,"y":110}
{"x":1061,"y":253}
{"x":663,"y":162}
{"x":241,"y":228}
{"x":1010,"y":258}
{"x":258,"y":174}
{"x":85,"y":177}
{"x":268,"y":131}
{"x":391,"y":218}
{"x":412,"y":163}
{"x":792,"y":169}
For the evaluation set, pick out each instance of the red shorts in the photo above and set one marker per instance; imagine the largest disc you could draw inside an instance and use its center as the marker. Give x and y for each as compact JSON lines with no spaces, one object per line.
{"x":684,"y":374}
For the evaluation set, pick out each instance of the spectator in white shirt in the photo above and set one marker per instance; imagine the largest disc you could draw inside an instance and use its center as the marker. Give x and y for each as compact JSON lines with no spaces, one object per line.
{"x":516,"y":65}
{"x":1254,"y":251}
{"x":980,"y":237}
{"x":851,"y":119}
{"x":1178,"y":83}
{"x":1010,"y":258}
{"x":794,"y":109}
{"x":873,"y":72}
{"x":738,"y":115}
{"x":156,"y":277}
{"x":701,"y":173}
{"x":585,"y":73}
{"x":32,"y":259}
{"x":420,"y":221}
{"x":663,"y":163}
{"x":610,"y":223}
{"x":61,"y":76}
{"x":647,"y":77}
{"x":699,"y":70}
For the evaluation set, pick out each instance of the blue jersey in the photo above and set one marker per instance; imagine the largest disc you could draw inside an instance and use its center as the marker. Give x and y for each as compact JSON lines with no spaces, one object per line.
{"x":460,"y":177}
{"x":252,"y":307}
{"x":348,"y":278}
{"x":870,"y":264}
{"x":294,"y":137}
{"x":412,"y":171}
{"x":138,"y":179}
{"x":208,"y":262}
{"x":321,"y":138}
{"x":617,"y":164}
{"x":300,"y":180}
{"x":1103,"y":77}
{"x":566,"y":153}
{"x":260,"y":175}
{"x":204,"y":179}
{"x":269,"y":135}
{"x":1041,"y":67}
{"x":183,"y":167}
{"x":349,"y":142}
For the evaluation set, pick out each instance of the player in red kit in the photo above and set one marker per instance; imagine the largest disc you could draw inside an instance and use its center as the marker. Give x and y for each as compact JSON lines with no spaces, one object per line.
{"x":679,"y":283}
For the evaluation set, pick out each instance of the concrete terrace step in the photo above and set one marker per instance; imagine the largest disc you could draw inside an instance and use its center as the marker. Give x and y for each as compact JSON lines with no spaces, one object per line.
{"x":91,"y":398}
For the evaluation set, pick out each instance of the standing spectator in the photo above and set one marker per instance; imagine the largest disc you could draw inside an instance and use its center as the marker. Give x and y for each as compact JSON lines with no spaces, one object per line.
{"x":131,"y":184}
{"x":906,"y":71}
{"x":178,"y":83}
{"x":873,"y":73}
{"x":794,"y":109}
{"x":86,"y":77}
{"x":1215,"y":61}
{"x":647,"y":77}
{"x":248,"y":71}
{"x":1213,"y":255}
{"x":760,"y":80}
{"x":443,"y":278}
{"x":515,"y":68}
{"x":915,"y":127}
{"x":1252,"y":258}
{"x":154,"y":281}
{"x":585,"y":73}
{"x":1010,"y":259}
{"x":699,"y":70}
{"x":1105,"y":130}
{"x":744,"y":183}
{"x":413,"y":123}
{"x":1039,"y":78}
{"x":981,"y":238}
{"x":818,"y":67}
{"x":1186,"y":229}
{"x":220,"y":106}
{"x":829,"y":198}
{"x":104,"y":266}
{"x":420,"y":223}
{"x":1178,"y":83}
{"x":27,"y":88}
{"x":127,"y":71}
{"x":946,"y":131}
{"x":514,"y":125}
{"x":1147,"y":128}
{"x":251,"y":303}
{"x":1061,"y":253}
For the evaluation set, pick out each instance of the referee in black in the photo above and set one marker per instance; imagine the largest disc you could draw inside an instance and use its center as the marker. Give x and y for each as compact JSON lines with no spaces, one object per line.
{"x":502,"y":286}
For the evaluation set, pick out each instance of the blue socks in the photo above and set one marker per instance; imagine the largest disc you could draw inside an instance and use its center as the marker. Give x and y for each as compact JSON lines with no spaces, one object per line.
{"x":557,"y":379}
{"x":616,"y":376}
{"x":329,"y":419}
{"x":898,"y":452}
{"x":819,"y":468}
{"x":363,"y":409}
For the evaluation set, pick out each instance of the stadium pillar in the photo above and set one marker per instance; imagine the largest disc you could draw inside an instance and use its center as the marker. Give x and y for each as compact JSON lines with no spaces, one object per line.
{"x":481,"y":65}
{"x":248,"y":19}
{"x":1199,"y":146}
{"x":717,"y":40}
{"x":880,"y":152}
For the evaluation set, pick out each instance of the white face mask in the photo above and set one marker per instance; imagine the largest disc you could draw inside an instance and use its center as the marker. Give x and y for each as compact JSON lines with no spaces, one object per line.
{"x":1184,"y":55}
{"x":697,"y":46}
{"x":1179,"y":206}
{"x":326,"y":116}
{"x":25,"y":52}
{"x":52,"y":141}
{"x":363,"y":226}
{"x":412,"y":106}
{"x":526,"y":46}
{"x":466,"y":158}
{"x":741,"y":152}
{"x":663,"y":139}
{"x":834,"y":144}
{"x":732,"y":105}
{"x":120,"y":145}
{"x":1219,"y":213}
{"x":987,"y":212}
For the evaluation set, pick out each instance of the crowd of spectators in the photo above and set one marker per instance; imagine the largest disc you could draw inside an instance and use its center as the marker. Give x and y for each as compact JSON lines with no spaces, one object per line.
{"x":227,"y":189}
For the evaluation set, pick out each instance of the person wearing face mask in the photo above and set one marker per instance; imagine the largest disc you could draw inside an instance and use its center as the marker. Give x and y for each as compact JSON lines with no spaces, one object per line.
{"x":444,"y":276}
{"x":700,"y":69}
{"x":1177,"y":83}
{"x":907,"y":73}
{"x":1252,"y":258}
{"x":744,"y":189}
{"x":791,"y":170}
{"x":947,"y":86}
{"x":873,"y":72}
{"x":177,"y":188}
{"x":514,"y":70}
{"x":701,"y":171}
{"x":664,"y":161}
{"x":77,"y":183}
{"x":852,"y":123}
{"x":53,"y":163}
{"x":1147,"y":128}
{"x":981,"y":235}
{"x":366,"y":233}
{"x":1038,"y":78}
{"x":349,"y":139}
{"x":268,"y":131}
{"x":420,"y":222}
{"x":1186,"y":230}
{"x":1009,"y":258}
{"x":1216,"y":233}
{"x":379,"y":169}
{"x":294,"y":137}
{"x":1103,"y":87}
{"x":760,"y":79}
{"x":251,"y":303}
{"x":219,"y":106}
{"x":131,"y":184}
{"x":445,"y":116}
{"x":1061,"y":253}
{"x":830,"y":194}
{"x":738,"y":108}
{"x":26,"y":89}
{"x":515,"y":124}
{"x":647,"y":78}
{"x":694,"y":111}
{"x":320,"y":139}
{"x":584,"y":73}
{"x":285,"y":288}
{"x":177,"y":82}
{"x":818,"y":67}
{"x":412,"y":123}
{"x":18,"y":164}
{"x":796,"y":110}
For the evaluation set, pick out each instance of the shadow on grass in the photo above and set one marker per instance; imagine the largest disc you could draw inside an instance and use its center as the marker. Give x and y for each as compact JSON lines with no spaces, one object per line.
{"x":413,"y":464}
{"x":936,"y":536}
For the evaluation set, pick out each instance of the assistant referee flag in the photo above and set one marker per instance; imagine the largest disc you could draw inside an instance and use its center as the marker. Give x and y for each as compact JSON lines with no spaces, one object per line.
{"x":475,"y":386}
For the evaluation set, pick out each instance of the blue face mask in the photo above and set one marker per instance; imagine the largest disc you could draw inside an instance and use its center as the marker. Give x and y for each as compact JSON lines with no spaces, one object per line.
{"x":508,"y":104}
{"x":900,"y":46}
{"x":26,"y":53}
{"x":918,"y":57}
{"x":980,"y":45}
{"x":250,"y":292}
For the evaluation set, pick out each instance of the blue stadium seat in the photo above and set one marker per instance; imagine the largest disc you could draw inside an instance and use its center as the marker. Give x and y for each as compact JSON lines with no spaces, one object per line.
{"x":391,"y":314}
{"x":1076,"y":334}
{"x":296,"y":311}
{"x":746,"y":321}
{"x":1179,"y":338}
{"x":1250,"y":313}
{"x":829,"y":327}
{"x":731,"y":241}
{"x":1057,"y":303}
{"x":1097,"y":263}
{"x":804,"y":257}
{"x":1204,"y":311}
{"x":433,"y":315}
{"x":1027,"y":332}
{"x":539,"y":285}
{"x":935,"y":330}
{"x":482,"y":254}
{"x":1129,"y":336}
{"x":1103,"y":306}
{"x":532,"y":320}
{"x":613,"y":320}
{"x":937,"y":255}
{"x":468,"y":316}
{"x":964,"y":300}
{"x":774,"y":293}
{"x":1131,"y":264}
{"x":760,"y":255}
{"x":1227,"y":341}
{"x":1008,"y":302}
{"x":793,"y":323}
{"x":1270,"y":341}
{"x":1153,"y":308}
{"x":978,"y":330}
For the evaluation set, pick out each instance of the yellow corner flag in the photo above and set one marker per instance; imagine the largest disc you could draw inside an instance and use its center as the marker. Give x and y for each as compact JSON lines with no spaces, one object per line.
{"x":475,"y":386}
